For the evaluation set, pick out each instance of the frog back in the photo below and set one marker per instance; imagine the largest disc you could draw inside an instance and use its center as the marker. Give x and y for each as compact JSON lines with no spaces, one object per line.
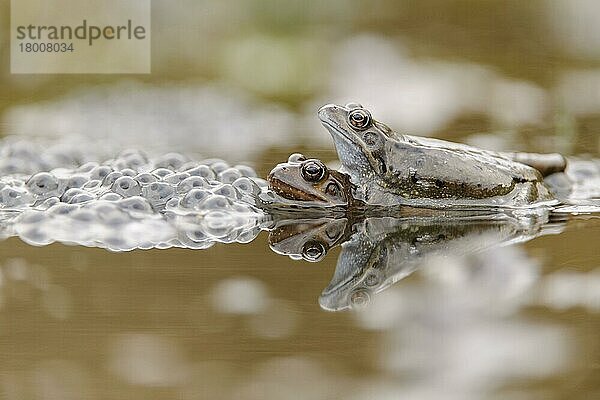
{"x":429,"y":168}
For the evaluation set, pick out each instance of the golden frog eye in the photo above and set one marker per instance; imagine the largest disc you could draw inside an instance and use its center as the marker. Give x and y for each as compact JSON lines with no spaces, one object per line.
{"x":313,"y":251}
{"x":313,"y":171}
{"x":359,"y":119}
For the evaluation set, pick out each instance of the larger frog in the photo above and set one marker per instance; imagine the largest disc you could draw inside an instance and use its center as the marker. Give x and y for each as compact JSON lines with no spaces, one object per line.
{"x":389,"y":168}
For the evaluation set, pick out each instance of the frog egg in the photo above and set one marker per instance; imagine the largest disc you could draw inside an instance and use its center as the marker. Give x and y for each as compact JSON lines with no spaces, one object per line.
{"x":76,"y":181}
{"x":62,"y":209}
{"x":92,"y":184}
{"x":101,"y":207}
{"x":158,"y":192}
{"x":246,"y":171}
{"x":31,"y":217}
{"x":110,"y":179}
{"x":128,"y":172}
{"x":174,"y":179}
{"x":35,"y":235}
{"x":100,"y":172}
{"x":227,"y":190}
{"x":126,"y":186}
{"x":42,"y":184}
{"x":115,"y":242}
{"x":135,"y":203}
{"x":219,"y":166}
{"x":10,"y":197}
{"x":70,"y":193}
{"x":82,"y":197}
{"x":229,"y":175}
{"x":196,"y":235}
{"x":194,"y":198}
{"x":110,"y":196}
{"x":133,"y":159}
{"x":193,"y":182}
{"x":87,"y":167}
{"x":242,"y":208}
{"x":194,"y":245}
{"x":172,"y":203}
{"x":161,"y":172}
{"x":231,"y":237}
{"x":83,"y":215}
{"x":246,"y":186}
{"x":215,"y":202}
{"x":112,"y":217}
{"x":203,"y":171}
{"x":49,"y":202}
{"x":248,"y":235}
{"x":172,"y":161}
{"x":188,"y":165}
{"x":145,"y":178}
{"x":217,"y":224}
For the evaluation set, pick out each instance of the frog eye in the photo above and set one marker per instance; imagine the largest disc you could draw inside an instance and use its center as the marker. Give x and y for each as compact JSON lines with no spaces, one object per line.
{"x":313,"y":171}
{"x":313,"y":251}
{"x":359,"y":118}
{"x":296,"y":157}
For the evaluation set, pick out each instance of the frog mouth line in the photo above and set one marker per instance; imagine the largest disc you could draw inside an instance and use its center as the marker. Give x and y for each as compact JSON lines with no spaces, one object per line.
{"x":289,"y":192}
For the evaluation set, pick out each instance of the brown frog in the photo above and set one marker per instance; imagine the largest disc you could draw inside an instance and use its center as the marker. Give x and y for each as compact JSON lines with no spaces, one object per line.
{"x":309,"y":180}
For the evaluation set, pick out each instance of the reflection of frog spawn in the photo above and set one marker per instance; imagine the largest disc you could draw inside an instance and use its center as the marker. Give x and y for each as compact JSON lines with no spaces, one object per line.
{"x":132,"y":202}
{"x":385,"y":250}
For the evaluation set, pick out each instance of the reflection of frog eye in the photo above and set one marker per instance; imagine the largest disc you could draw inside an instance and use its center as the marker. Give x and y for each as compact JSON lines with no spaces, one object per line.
{"x":359,"y":118}
{"x":313,"y":171}
{"x":313,"y":251}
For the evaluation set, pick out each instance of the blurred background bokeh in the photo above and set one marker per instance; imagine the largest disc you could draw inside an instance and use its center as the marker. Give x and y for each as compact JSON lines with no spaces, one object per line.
{"x":242,"y":80}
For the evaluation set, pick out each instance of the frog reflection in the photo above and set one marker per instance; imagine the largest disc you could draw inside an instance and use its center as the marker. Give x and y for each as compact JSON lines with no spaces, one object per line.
{"x":308,"y":239}
{"x":379,"y":251}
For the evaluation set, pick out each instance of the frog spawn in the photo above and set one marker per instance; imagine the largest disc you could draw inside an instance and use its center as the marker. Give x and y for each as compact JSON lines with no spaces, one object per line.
{"x":132,"y":201}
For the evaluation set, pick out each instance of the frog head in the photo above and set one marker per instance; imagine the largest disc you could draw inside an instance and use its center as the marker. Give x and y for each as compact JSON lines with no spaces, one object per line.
{"x":361,"y":142}
{"x":309,"y":180}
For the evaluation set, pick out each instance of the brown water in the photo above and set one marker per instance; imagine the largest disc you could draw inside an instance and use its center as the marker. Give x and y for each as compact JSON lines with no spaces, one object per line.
{"x":239,"y":321}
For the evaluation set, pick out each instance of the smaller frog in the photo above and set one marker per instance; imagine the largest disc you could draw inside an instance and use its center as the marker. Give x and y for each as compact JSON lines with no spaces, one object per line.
{"x":309,"y":180}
